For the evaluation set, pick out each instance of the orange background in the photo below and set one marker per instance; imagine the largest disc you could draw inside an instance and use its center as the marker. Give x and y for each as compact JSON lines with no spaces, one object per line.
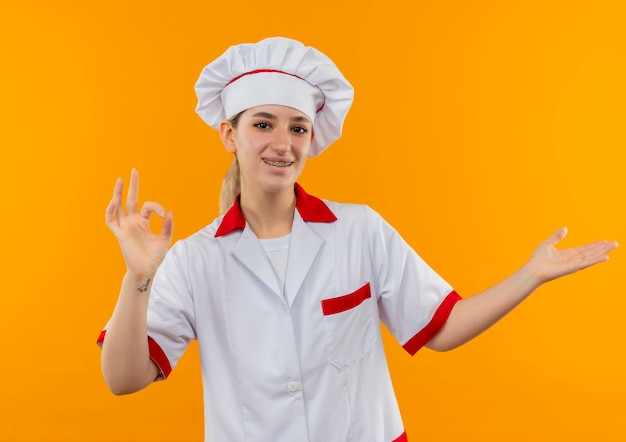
{"x":478,"y":129}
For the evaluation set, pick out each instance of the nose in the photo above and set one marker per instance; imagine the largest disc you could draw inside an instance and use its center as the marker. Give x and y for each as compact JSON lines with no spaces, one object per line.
{"x":282,"y":141}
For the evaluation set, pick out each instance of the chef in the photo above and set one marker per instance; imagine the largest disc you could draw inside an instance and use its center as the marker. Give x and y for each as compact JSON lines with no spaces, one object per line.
{"x":284,"y":292}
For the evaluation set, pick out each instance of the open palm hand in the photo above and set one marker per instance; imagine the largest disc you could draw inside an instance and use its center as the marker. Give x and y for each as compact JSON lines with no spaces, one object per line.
{"x":551,"y":263}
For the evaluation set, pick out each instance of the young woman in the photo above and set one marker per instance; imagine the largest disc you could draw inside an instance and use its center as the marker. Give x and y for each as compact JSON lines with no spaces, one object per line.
{"x":284,"y":292}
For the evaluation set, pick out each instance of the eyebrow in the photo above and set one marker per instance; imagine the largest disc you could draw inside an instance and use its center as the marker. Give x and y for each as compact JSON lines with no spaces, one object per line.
{"x":269,"y":116}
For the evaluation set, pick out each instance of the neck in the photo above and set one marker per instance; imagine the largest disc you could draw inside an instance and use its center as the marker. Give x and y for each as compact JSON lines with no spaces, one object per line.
{"x":269,"y":215}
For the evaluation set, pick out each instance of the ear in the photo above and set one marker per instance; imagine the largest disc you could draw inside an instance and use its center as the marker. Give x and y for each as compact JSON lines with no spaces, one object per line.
{"x":227,"y":133}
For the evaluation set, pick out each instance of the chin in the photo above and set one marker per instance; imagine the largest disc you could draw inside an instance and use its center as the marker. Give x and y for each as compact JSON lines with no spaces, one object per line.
{"x":278,"y":185}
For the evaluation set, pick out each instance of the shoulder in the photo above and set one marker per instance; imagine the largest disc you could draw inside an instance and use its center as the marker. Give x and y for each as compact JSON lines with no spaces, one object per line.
{"x":355,"y":216}
{"x":349,"y":211}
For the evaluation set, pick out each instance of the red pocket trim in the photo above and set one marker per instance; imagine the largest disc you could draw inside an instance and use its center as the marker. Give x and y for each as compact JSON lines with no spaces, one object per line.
{"x":346,"y":302}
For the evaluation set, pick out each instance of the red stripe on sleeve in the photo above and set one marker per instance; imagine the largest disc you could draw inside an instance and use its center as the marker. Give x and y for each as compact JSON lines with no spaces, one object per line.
{"x":346,"y":302}
{"x":432,"y":328}
{"x":101,"y":337}
{"x":156,"y":354}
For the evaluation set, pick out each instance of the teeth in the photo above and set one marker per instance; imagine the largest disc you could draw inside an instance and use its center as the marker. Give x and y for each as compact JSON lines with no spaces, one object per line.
{"x":279,"y":163}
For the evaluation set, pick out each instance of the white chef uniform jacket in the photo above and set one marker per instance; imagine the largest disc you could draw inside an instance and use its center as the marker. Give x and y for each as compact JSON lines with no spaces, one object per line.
{"x":308,"y":366}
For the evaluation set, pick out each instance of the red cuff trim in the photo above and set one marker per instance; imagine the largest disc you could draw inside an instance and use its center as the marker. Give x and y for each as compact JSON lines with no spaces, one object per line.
{"x":156,"y":354}
{"x":346,"y":302}
{"x":402,"y":438}
{"x":432,"y":328}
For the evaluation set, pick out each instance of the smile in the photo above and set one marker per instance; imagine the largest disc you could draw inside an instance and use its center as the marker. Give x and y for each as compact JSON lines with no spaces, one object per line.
{"x":278,"y":163}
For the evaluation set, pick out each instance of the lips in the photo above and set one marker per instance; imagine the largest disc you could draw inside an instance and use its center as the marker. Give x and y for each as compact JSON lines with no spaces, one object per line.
{"x":278,"y":163}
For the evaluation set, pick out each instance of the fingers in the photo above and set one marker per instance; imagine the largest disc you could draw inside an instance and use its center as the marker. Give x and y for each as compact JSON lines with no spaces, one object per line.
{"x":117,"y":191}
{"x":114,"y":209}
{"x":110,"y":217}
{"x":113,"y":212}
{"x":150,"y":207}
{"x":597,"y":247}
{"x":590,"y":260}
{"x":596,"y":252}
{"x":133,"y":193}
{"x":167,"y":228}
{"x":588,"y":255}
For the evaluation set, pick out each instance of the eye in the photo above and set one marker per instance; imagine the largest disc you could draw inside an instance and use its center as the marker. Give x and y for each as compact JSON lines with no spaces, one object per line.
{"x":262,"y":125}
{"x":300,"y":130}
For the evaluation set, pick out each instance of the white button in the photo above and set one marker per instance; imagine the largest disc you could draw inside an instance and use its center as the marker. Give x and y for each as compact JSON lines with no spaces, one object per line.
{"x":293,"y":386}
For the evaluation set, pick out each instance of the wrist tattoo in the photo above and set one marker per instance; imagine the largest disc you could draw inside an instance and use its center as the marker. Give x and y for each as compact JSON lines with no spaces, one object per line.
{"x":144,"y":288}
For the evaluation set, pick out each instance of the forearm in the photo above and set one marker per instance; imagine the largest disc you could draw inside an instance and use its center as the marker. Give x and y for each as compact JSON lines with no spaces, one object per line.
{"x":473,"y":315}
{"x":126,"y":363}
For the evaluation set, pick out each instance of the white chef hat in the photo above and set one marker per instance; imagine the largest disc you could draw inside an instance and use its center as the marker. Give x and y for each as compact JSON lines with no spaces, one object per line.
{"x":280,"y":71}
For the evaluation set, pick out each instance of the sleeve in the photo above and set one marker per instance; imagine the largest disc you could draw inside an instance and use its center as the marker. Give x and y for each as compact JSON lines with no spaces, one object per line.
{"x":171,"y":317}
{"x":414,"y":302}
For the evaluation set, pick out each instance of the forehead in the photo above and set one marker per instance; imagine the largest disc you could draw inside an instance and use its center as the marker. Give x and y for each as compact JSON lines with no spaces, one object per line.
{"x":275,"y":111}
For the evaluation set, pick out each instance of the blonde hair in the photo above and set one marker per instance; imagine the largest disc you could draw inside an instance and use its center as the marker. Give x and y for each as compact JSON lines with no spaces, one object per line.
{"x":231,"y":184}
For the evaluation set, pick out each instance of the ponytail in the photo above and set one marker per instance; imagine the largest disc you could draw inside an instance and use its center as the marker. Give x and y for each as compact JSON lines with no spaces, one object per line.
{"x":231,"y":184}
{"x":231,"y":187}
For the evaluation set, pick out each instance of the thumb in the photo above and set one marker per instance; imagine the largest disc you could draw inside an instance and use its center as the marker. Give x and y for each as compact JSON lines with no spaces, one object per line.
{"x":557,"y":236}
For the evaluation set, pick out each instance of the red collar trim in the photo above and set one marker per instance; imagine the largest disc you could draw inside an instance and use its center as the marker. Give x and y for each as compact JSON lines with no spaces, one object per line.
{"x":311,"y":209}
